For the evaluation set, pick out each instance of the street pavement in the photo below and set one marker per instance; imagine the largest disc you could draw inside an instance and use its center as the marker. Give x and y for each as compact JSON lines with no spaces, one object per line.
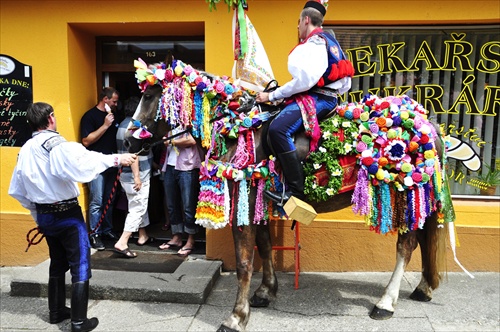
{"x":323,"y":302}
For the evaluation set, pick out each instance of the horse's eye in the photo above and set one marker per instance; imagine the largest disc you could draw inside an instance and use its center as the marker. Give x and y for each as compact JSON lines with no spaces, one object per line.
{"x":148,"y":96}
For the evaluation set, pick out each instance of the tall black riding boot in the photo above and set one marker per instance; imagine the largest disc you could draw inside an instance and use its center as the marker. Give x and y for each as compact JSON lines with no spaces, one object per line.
{"x":79,"y":303}
{"x":294,"y":178}
{"x":57,"y":300}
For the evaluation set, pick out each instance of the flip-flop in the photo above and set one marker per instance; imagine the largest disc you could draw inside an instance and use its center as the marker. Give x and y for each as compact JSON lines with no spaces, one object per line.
{"x":166,"y":246}
{"x":185,"y":251}
{"x":148,"y":241}
{"x":126,"y":253}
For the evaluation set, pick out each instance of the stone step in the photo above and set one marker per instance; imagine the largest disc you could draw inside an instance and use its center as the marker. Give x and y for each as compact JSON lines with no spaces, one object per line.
{"x":191,"y":282}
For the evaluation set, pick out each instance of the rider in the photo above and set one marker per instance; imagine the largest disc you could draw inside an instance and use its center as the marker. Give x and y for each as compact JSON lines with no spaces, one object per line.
{"x":320,"y":71}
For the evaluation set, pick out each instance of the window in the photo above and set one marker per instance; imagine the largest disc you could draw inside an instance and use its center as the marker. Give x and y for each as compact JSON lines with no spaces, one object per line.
{"x":451,"y":71}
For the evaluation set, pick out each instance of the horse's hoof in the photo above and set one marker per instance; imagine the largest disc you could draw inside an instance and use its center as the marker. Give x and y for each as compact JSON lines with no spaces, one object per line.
{"x":380,"y":314}
{"x":224,"y":328}
{"x":258,"y":302}
{"x":419,"y":295}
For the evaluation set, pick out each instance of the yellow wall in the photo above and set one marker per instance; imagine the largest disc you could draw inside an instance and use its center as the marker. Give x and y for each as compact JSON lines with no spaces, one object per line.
{"x":342,"y":242}
{"x":57,"y":38}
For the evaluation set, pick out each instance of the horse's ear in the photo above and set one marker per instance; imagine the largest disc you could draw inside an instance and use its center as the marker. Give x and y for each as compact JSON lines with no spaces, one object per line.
{"x":169,"y":58}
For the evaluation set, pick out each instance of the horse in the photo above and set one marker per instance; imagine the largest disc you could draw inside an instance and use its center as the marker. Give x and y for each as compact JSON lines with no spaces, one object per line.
{"x":430,"y":238}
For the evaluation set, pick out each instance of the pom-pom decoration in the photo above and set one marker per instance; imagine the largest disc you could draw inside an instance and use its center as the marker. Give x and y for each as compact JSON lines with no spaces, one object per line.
{"x":400,"y":153}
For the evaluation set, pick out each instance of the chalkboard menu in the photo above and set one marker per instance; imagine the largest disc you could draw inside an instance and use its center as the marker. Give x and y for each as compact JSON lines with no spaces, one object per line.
{"x":16,"y":94}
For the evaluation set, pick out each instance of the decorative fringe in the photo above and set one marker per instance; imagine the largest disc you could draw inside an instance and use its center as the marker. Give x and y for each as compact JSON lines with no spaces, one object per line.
{"x":447,"y":213}
{"x":211,"y":211}
{"x":227,"y":202}
{"x":243,"y":212}
{"x":205,"y":132}
{"x":360,"y":197}
{"x":259,"y":203}
{"x":197,"y":121}
{"x":187,"y":104}
{"x":240,"y":158}
{"x":386,"y":208}
{"x":399,"y":213}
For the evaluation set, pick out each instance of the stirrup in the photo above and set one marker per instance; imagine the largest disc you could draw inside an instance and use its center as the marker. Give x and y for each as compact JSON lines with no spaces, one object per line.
{"x":279,"y":199}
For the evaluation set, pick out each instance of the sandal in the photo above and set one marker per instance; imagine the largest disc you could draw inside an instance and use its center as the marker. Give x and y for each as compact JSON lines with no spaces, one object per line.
{"x":166,"y":246}
{"x":126,"y":253}
{"x":185,"y":251}
{"x":148,"y":241}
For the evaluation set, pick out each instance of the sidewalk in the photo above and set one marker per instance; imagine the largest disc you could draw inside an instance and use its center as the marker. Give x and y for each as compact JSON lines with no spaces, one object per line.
{"x":324,"y":302}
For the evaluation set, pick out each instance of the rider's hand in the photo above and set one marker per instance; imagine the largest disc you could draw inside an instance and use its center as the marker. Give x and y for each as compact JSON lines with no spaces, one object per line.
{"x":262,"y":97}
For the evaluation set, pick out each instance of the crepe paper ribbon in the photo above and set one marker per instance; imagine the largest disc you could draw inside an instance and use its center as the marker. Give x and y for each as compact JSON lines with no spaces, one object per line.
{"x":140,"y":64}
{"x":243,"y":31}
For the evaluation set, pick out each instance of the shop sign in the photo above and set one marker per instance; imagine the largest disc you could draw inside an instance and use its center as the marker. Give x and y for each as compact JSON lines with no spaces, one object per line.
{"x":16,"y":94}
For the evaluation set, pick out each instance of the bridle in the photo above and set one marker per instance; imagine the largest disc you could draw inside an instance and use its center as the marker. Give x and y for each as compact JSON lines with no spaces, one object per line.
{"x":146,"y":147}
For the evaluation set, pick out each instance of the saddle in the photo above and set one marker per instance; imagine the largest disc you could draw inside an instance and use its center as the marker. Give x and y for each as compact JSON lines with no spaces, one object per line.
{"x":320,"y":177}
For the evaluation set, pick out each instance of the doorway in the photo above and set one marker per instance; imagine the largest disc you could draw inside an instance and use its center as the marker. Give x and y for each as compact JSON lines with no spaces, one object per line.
{"x":115,"y":67}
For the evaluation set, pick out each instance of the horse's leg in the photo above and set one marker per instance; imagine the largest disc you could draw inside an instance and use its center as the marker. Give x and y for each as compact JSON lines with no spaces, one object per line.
{"x":269,"y":286}
{"x":429,"y":241}
{"x":384,"y":309}
{"x":244,"y":242}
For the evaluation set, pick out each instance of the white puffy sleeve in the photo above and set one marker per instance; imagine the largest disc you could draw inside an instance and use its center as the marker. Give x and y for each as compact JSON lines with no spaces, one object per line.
{"x":19,"y":192}
{"x":72,"y":161}
{"x":306,"y":63}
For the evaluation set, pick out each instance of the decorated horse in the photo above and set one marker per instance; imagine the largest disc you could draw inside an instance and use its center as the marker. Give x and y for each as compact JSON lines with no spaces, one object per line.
{"x":394,"y":173}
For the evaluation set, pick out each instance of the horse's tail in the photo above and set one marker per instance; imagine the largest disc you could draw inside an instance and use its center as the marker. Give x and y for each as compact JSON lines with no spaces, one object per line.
{"x":436,"y":233}
{"x":434,"y":261}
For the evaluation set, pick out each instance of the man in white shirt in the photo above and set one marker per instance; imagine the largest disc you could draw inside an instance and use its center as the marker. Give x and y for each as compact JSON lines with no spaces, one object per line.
{"x":44,"y":181}
{"x":320,"y":71}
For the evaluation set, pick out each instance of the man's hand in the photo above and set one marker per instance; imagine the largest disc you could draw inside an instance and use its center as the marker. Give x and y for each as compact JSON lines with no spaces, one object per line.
{"x":262,"y":97}
{"x":137,"y":183}
{"x":127,"y":159}
{"x":108,"y":120}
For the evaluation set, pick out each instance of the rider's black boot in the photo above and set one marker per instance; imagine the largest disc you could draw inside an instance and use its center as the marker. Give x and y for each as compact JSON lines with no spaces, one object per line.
{"x":79,"y":303}
{"x":294,"y":178}
{"x":57,"y":300}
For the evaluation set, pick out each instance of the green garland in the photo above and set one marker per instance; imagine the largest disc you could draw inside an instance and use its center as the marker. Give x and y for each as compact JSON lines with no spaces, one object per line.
{"x":212,"y":4}
{"x":329,"y":149}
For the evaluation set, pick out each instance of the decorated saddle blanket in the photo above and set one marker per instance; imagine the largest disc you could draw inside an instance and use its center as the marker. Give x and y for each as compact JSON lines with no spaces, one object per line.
{"x":401,"y":178}
{"x":384,"y":149}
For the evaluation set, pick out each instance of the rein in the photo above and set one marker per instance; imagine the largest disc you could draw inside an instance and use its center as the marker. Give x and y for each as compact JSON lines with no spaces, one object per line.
{"x":146,"y":146}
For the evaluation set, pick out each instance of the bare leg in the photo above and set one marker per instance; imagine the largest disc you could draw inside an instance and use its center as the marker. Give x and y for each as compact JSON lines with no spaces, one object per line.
{"x":143,"y":236}
{"x":176,"y":240}
{"x":122,"y":242}
{"x":190,"y":241}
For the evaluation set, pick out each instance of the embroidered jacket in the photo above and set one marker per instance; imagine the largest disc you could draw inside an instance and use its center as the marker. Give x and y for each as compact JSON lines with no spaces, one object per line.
{"x":307,"y":63}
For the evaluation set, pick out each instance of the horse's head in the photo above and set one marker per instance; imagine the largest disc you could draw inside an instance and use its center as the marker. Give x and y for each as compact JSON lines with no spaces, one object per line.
{"x":146,"y":120}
